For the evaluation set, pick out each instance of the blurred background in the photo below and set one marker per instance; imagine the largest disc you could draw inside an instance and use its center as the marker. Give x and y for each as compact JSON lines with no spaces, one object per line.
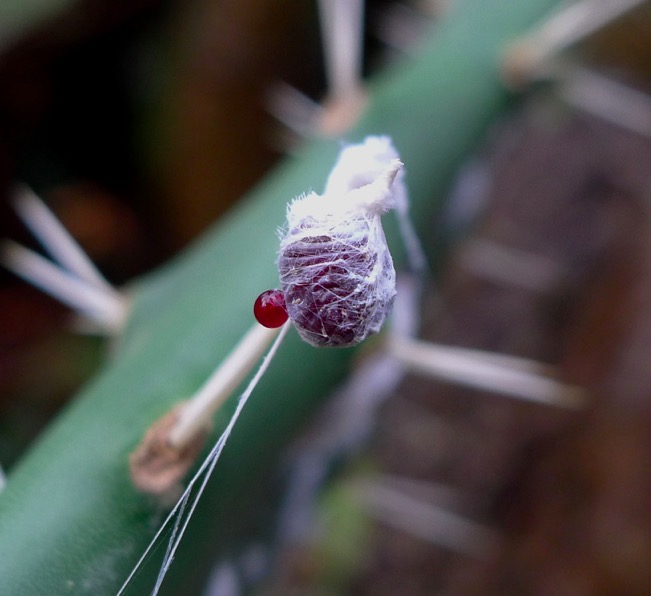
{"x":141,"y":122}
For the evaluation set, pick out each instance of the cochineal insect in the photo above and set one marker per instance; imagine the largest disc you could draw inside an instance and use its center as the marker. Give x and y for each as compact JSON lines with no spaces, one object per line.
{"x":336,"y":273}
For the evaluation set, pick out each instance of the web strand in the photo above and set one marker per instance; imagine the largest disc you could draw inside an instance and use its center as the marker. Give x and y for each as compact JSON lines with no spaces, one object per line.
{"x":178,"y":513}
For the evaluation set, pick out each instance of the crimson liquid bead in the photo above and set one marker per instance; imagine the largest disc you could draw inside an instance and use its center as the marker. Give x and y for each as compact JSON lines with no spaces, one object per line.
{"x":269,"y":309}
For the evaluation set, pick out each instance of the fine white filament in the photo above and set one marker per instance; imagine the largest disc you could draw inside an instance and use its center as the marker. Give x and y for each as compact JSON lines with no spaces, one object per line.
{"x":178,"y":515}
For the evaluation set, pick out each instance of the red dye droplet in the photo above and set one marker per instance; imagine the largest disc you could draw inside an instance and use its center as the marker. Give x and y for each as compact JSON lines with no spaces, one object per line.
{"x":269,"y":309}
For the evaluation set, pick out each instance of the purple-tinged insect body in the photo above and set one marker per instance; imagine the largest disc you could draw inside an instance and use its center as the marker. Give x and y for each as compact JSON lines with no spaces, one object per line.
{"x":338,"y":279}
